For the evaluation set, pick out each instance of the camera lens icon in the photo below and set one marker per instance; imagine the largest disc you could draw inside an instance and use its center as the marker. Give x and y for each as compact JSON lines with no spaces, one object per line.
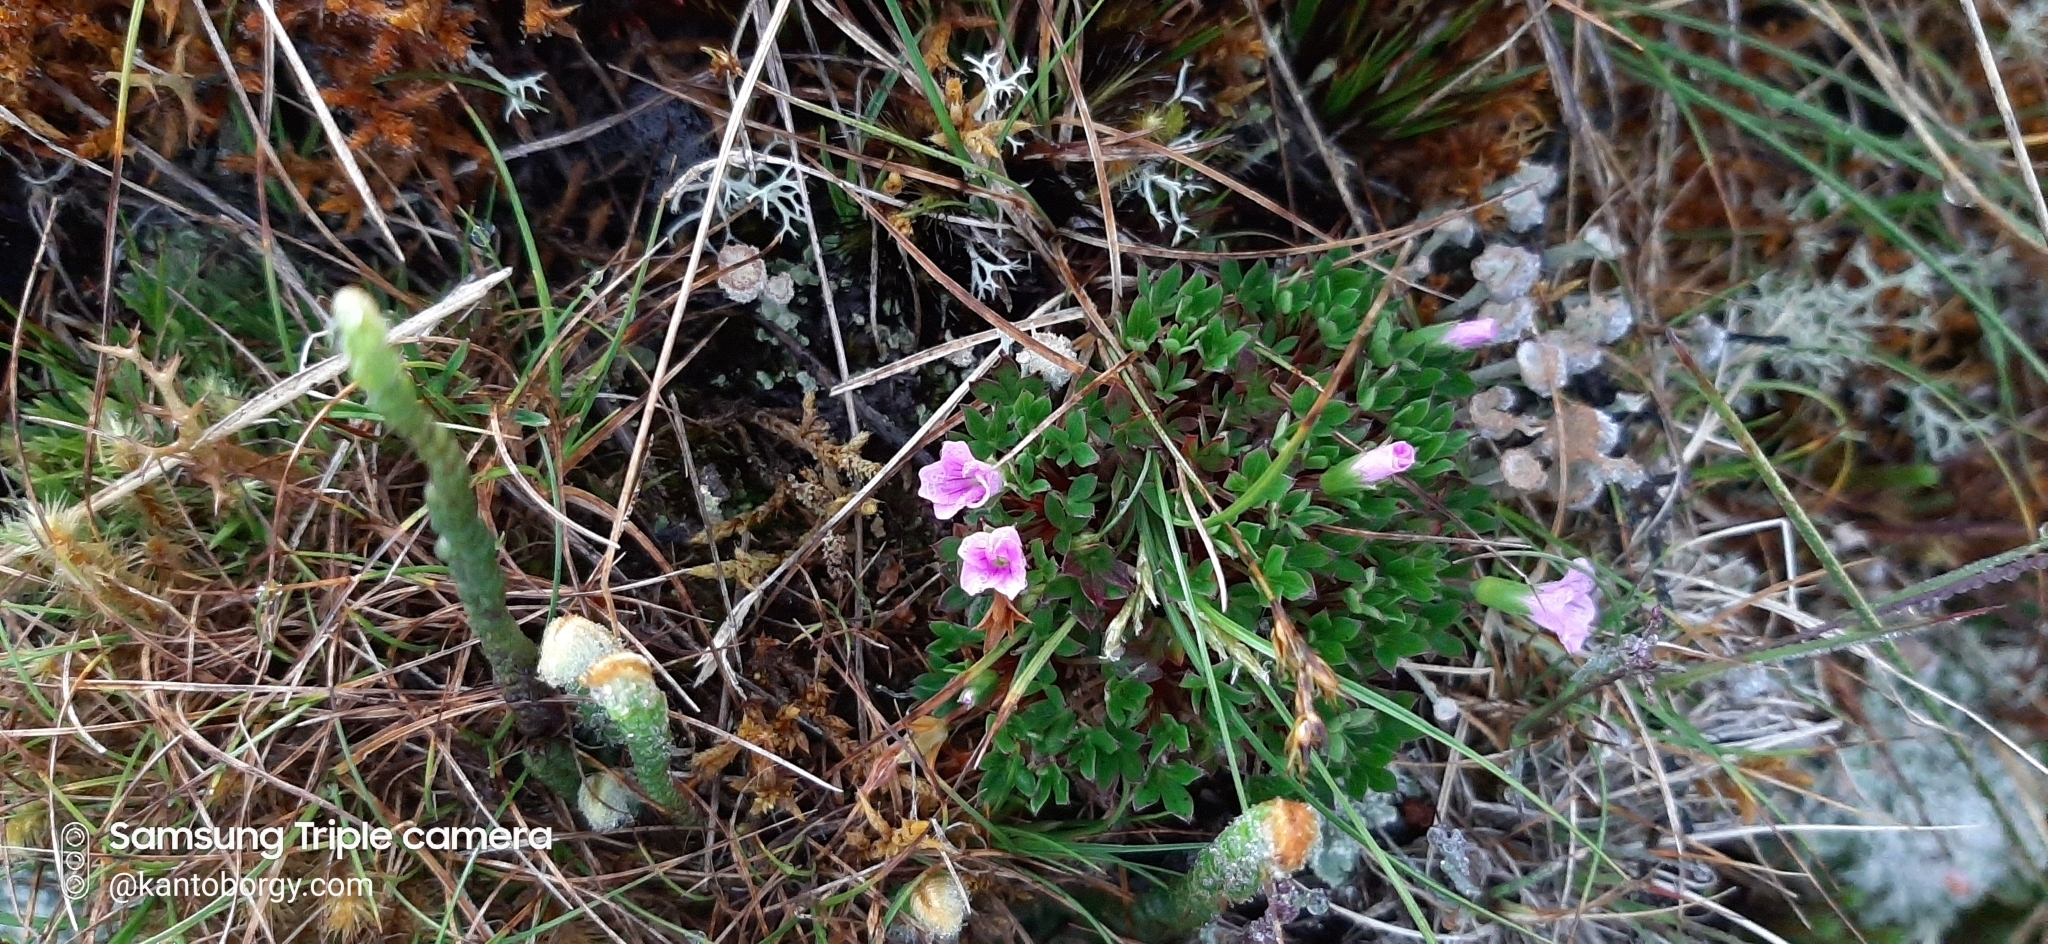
{"x":72,"y":859}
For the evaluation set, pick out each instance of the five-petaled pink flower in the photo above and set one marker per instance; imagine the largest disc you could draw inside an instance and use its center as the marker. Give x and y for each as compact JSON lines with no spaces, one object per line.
{"x":958,"y":481}
{"x":992,"y":560}
{"x":1567,"y":606}
{"x":1473,"y":334}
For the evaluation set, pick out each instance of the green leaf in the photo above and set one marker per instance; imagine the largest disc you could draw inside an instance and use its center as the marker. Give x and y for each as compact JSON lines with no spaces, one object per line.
{"x":1391,"y":648}
{"x":1310,"y":557}
{"x":1289,"y":584}
{"x":951,"y":638}
{"x":1125,"y":698}
{"x":1168,"y":785}
{"x":1168,"y":734}
{"x":1141,"y":324}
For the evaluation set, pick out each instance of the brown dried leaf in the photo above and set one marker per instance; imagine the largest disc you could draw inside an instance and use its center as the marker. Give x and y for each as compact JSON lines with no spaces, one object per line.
{"x":544,"y":20}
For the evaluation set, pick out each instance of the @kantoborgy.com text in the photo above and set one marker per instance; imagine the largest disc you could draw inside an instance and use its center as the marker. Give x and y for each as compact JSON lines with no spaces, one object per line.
{"x":126,"y":886}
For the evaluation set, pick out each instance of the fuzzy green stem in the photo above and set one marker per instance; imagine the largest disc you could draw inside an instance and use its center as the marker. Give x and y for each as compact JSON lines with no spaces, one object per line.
{"x":623,"y":685}
{"x":553,"y":762}
{"x":1270,"y":840}
{"x":465,"y":542}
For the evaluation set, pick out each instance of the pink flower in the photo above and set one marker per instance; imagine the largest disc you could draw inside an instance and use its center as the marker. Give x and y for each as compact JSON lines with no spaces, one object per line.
{"x":958,"y":481}
{"x":1473,"y":334}
{"x":1385,"y":462}
{"x":1370,"y":467}
{"x":1568,"y":606}
{"x":992,"y":560}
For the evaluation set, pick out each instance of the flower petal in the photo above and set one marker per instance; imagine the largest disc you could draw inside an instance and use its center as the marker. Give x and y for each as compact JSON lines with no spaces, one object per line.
{"x":1568,"y":606}
{"x":993,"y":560}
{"x":958,"y":481}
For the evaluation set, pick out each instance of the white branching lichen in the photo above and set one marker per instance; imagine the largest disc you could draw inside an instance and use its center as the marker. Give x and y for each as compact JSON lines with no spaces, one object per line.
{"x":991,"y":266}
{"x":1163,"y":192}
{"x":999,"y":89}
{"x":1823,"y":331}
{"x":2026,"y":33}
{"x":522,"y":94}
{"x":779,"y":197}
{"x":1938,"y":432}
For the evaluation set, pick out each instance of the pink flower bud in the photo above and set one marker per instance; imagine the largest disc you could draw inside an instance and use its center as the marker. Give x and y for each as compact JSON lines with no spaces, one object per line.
{"x":1469,"y":335}
{"x":1370,"y":467}
{"x":958,"y":481}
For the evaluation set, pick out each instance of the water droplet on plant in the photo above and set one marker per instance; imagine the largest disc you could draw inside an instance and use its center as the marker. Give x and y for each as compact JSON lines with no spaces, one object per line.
{"x":1953,"y":192}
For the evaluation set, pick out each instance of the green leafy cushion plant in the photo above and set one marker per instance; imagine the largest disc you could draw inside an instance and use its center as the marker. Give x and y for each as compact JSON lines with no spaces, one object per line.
{"x":1173,"y":528}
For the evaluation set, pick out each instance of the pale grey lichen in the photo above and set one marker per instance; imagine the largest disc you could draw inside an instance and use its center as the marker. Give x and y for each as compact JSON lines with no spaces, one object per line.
{"x":1456,"y":855}
{"x":1523,"y":470}
{"x":1823,"y":325}
{"x":2026,"y":31}
{"x":1031,"y":362}
{"x":1549,"y":362}
{"x":741,"y":272}
{"x":1515,"y":317}
{"x":1574,"y":442}
{"x":1508,"y":272}
{"x":1951,"y":846}
{"x":1528,"y":192}
{"x":1458,"y":229}
{"x":1937,"y":430}
{"x":1495,"y":414}
{"x":1338,"y":854}
{"x":963,"y":358}
{"x":32,"y":909}
{"x":1602,"y":318}
{"x":1604,"y":244}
